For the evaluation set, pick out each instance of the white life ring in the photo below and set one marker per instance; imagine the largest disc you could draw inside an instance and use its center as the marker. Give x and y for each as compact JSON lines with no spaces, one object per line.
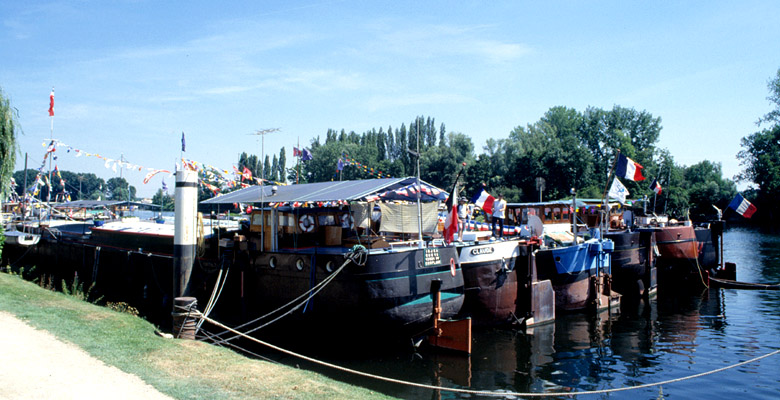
{"x":347,"y":221}
{"x":306,"y":222}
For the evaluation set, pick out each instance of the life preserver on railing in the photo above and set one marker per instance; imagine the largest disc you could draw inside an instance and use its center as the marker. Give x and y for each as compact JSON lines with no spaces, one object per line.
{"x":452,"y":266}
{"x":306,"y":222}
{"x":347,"y":221}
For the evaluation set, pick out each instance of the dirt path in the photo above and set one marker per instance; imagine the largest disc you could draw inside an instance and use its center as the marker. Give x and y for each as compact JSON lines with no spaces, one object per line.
{"x":36,"y":365}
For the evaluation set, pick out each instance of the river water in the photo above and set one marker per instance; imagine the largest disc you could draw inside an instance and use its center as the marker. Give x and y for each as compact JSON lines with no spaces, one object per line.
{"x":673,"y":336}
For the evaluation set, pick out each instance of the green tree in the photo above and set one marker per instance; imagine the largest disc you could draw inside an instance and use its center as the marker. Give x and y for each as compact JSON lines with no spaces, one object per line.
{"x":8,"y":148}
{"x":282,"y":166}
{"x":760,"y":158}
{"x":707,"y":188}
{"x":440,"y":165}
{"x":634,"y":133}
{"x":119,"y":189}
{"x":9,"y":128}
{"x":164,"y":199}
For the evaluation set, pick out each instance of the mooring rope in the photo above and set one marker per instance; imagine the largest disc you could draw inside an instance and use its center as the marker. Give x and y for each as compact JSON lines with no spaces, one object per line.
{"x":219,"y":284}
{"x":472,"y":391}
{"x":357,"y":255}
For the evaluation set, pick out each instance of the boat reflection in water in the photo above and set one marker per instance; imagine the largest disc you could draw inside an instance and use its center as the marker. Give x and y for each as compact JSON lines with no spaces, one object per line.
{"x":652,"y":342}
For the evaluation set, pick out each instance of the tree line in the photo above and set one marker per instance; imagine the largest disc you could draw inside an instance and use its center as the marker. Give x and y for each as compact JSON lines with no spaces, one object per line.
{"x":565,"y":149}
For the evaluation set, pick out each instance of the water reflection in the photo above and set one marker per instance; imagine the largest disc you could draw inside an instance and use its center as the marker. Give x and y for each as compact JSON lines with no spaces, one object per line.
{"x":675,"y":335}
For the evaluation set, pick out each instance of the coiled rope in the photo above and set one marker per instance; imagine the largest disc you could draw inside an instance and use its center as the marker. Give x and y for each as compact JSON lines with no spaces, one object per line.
{"x":472,"y":391}
{"x":357,"y":255}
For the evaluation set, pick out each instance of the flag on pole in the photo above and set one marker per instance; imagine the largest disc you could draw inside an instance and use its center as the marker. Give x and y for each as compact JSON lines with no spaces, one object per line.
{"x":183,"y":146}
{"x":306,"y":154}
{"x":51,"y":103}
{"x":655,"y":186}
{"x":296,"y":152}
{"x":340,"y":164}
{"x":742,"y":206}
{"x":617,"y":191}
{"x":451,"y":222}
{"x":246,"y":174}
{"x":628,"y":169}
{"x":484,"y":201}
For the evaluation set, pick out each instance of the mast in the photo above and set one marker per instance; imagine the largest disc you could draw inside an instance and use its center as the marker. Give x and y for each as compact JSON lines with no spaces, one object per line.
{"x":51,"y":138}
{"x":605,"y":215}
{"x":419,"y":189}
{"x":24,"y":189}
{"x":262,"y":134}
{"x":668,"y":182}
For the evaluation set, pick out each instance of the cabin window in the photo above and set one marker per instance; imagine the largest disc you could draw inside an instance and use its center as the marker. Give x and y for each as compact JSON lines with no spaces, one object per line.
{"x":557,"y":214}
{"x":326,"y":220}
{"x":548,"y":214}
{"x":257,"y":219}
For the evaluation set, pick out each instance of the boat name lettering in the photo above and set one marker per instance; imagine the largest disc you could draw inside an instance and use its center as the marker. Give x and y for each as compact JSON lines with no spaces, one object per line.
{"x":482,"y":250}
{"x":432,"y":257}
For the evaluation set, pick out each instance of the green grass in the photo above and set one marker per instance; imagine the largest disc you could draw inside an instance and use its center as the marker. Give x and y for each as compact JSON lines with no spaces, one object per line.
{"x":179,"y":368}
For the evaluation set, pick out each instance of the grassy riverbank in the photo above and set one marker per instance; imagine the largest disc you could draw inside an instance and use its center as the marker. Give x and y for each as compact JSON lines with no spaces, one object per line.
{"x":181,"y":369}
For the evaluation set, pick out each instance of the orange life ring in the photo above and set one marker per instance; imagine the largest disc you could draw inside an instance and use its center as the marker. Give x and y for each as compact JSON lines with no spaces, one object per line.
{"x":452,"y":266}
{"x":306,"y":222}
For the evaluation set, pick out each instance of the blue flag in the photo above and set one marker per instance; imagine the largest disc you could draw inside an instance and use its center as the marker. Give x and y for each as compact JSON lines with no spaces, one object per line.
{"x":182,"y":141}
{"x":306,"y":154}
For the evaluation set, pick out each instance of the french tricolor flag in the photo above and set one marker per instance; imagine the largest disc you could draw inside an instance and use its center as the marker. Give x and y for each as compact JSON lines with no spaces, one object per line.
{"x":628,"y":169}
{"x":655,"y":186}
{"x":484,"y":201}
{"x":742,"y":206}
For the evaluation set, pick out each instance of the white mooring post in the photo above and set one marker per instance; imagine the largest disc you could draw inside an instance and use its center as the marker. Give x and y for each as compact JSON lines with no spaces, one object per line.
{"x":184,"y":240}
{"x":184,"y":246}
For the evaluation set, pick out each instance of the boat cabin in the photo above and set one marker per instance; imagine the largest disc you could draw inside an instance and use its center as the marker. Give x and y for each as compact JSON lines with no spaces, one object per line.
{"x":378,"y":213}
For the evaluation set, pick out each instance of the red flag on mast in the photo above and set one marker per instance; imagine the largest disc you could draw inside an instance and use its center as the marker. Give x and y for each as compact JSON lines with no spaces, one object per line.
{"x":451,"y":221}
{"x":51,"y":103}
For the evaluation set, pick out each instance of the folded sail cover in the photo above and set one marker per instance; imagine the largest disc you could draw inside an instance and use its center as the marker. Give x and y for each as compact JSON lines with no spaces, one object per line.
{"x":402,"y":218}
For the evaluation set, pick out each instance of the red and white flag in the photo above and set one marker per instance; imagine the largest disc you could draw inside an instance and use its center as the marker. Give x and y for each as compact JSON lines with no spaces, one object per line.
{"x":451,"y":222}
{"x":51,"y":103}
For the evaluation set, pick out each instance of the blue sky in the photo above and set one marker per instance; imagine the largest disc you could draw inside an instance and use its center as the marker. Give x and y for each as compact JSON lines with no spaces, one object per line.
{"x":130,"y":76}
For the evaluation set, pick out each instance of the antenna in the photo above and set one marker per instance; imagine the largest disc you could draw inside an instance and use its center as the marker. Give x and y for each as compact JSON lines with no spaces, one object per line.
{"x":262,"y":134}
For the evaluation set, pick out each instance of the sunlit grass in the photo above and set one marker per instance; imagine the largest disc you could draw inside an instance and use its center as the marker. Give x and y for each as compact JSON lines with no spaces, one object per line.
{"x":179,"y":368}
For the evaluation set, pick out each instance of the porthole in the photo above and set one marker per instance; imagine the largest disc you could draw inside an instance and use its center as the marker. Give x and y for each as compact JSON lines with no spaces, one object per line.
{"x":329,"y":266}
{"x":272,"y":263}
{"x":299,"y":264}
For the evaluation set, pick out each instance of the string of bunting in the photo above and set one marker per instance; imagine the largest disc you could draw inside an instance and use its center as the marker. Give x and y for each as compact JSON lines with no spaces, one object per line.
{"x":210,"y":177}
{"x":346,"y":161}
